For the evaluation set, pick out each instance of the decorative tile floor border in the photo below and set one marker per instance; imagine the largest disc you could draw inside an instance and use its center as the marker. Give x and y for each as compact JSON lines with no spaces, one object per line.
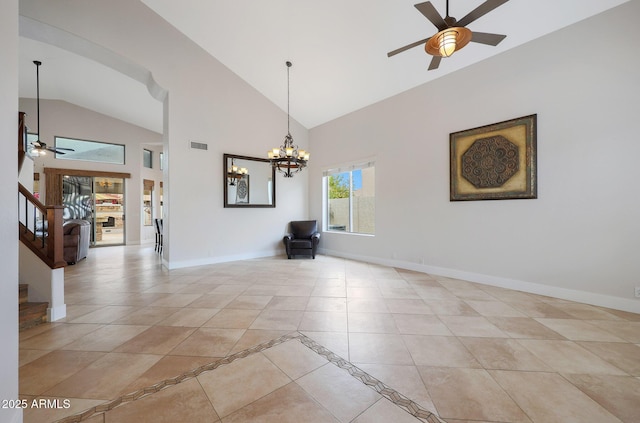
{"x":389,"y":393}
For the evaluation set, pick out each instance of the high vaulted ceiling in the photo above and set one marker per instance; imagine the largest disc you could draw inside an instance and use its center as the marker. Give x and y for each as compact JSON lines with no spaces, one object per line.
{"x":338,"y":49}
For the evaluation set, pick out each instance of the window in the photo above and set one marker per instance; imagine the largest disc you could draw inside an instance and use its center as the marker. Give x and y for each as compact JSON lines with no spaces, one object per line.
{"x":147,"y":158}
{"x":92,"y":151}
{"x":350,"y":199}
{"x":161,"y":161}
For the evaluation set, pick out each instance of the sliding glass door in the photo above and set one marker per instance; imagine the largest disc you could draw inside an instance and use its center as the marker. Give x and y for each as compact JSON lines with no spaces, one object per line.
{"x":77,"y":197}
{"x":109,"y":211}
{"x":100,"y":200}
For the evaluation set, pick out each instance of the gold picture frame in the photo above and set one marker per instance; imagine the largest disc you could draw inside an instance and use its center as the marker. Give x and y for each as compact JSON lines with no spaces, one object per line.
{"x":494,"y":162}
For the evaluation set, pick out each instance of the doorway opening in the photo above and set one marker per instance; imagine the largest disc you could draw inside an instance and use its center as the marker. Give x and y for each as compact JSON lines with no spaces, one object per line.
{"x":99,"y":200}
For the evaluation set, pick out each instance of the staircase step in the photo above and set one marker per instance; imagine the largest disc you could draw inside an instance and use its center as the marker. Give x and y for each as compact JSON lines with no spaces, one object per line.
{"x":23,"y":293}
{"x":32,"y":314}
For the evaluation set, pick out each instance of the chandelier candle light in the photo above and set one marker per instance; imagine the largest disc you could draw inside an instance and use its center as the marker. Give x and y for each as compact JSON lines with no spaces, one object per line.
{"x":288,"y":158}
{"x":234,"y":172}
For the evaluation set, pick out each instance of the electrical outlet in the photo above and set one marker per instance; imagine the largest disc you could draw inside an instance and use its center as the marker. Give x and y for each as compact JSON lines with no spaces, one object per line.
{"x":638,"y":291}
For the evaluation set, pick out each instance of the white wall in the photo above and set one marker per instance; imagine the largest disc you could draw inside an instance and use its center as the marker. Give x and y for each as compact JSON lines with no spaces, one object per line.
{"x":45,"y":284}
{"x":580,"y":238}
{"x":26,"y":174}
{"x":205,"y":103}
{"x":59,"y":118}
{"x":8,"y":210}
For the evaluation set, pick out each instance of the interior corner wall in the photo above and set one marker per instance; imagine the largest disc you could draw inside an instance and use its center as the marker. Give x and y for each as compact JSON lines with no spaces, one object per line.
{"x":9,"y":210}
{"x":580,"y":238}
{"x":206,"y":103}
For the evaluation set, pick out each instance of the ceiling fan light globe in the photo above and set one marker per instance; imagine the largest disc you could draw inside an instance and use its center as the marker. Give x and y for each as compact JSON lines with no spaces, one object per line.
{"x":447,"y":42}
{"x":461,"y":37}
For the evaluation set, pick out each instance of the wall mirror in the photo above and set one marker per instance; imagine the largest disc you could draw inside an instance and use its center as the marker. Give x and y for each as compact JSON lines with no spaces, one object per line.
{"x":248,"y":182}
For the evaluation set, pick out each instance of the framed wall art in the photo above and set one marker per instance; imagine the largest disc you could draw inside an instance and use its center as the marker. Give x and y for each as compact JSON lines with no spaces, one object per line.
{"x":494,"y":162}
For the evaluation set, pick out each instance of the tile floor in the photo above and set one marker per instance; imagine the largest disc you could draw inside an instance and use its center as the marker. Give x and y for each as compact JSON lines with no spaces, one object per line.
{"x":324,"y":340}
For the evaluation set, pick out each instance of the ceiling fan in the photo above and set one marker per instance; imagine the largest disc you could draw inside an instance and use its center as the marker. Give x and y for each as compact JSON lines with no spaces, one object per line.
{"x":40,"y":147}
{"x":452,"y":34}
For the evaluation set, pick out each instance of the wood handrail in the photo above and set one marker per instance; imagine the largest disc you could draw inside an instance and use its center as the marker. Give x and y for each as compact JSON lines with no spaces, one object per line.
{"x":51,"y":242}
{"x":52,"y":250}
{"x":32,"y":198}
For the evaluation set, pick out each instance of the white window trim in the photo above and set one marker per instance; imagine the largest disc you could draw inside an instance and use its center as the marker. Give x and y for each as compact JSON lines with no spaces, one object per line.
{"x":333,"y":170}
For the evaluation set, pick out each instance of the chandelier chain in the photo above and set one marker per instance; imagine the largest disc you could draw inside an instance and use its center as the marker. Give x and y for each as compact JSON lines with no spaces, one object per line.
{"x":288,"y":98}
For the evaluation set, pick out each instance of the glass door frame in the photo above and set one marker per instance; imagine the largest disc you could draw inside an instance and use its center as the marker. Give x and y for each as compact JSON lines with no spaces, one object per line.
{"x":114,"y":209}
{"x":54,"y":190}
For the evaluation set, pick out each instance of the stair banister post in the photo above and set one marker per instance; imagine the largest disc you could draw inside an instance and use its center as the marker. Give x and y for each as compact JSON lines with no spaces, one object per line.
{"x":55,"y":244}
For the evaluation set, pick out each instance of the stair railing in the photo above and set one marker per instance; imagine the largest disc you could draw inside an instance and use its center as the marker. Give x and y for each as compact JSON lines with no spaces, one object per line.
{"x":40,"y":228}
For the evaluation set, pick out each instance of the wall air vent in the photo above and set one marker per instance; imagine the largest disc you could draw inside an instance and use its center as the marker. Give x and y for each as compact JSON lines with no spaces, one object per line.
{"x":199,"y":145}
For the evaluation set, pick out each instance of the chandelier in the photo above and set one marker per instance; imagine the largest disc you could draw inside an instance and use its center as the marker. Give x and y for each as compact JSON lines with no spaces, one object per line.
{"x":235,"y":173}
{"x":288,"y":158}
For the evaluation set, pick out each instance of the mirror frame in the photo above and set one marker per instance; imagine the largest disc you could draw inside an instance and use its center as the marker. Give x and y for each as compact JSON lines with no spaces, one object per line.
{"x":225,"y":158}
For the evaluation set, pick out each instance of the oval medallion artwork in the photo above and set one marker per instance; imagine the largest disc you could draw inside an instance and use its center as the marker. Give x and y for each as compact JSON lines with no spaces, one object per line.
{"x":242,"y":194}
{"x":494,"y":162}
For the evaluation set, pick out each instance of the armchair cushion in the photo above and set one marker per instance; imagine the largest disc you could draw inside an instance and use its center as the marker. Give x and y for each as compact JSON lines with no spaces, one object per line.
{"x":301,"y":243}
{"x":303,"y":228}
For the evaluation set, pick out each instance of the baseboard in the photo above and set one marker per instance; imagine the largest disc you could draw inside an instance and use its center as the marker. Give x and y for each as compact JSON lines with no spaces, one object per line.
{"x":56,"y":313}
{"x":218,"y":259}
{"x":601,"y":300}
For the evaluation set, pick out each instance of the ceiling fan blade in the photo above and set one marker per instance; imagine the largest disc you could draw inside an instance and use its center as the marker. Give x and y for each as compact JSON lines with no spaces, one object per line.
{"x":407,"y":47}
{"x":480,"y":11}
{"x":62,"y":148}
{"x":430,"y":12}
{"x":53,"y":150}
{"x":487,"y":38}
{"x":435,"y":62}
